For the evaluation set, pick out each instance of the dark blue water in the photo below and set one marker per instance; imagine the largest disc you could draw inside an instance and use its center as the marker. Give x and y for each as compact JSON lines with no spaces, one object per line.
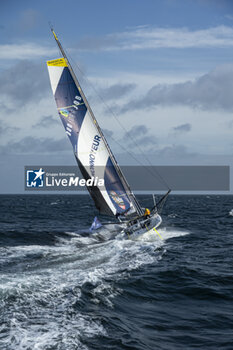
{"x":63,"y":288}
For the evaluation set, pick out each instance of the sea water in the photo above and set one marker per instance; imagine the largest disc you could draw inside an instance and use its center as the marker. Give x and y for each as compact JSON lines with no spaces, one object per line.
{"x":63,"y":287}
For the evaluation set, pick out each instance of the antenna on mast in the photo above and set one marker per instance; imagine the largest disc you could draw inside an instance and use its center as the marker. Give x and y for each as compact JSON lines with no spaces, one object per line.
{"x":52,"y":30}
{"x":50,"y":25}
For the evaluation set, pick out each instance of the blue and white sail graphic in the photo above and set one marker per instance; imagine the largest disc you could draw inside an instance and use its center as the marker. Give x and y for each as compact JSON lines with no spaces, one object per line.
{"x":92,"y":154}
{"x":96,"y":224}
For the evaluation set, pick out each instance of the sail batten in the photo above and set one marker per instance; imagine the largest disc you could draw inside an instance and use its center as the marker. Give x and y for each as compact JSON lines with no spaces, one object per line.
{"x":91,"y":149}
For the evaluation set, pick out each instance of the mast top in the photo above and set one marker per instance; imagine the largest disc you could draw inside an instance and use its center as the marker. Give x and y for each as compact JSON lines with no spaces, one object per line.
{"x":52,"y":30}
{"x":56,"y":38}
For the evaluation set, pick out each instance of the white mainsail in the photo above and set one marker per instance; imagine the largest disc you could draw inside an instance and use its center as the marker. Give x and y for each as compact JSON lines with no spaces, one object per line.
{"x":91,"y":149}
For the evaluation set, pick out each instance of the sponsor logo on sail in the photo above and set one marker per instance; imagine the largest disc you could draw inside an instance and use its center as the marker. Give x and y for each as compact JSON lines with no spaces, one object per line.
{"x":69,"y":129}
{"x":92,"y":154}
{"x":117,"y":199}
{"x":77,"y":102}
{"x":64,"y":112}
{"x":35,"y":178}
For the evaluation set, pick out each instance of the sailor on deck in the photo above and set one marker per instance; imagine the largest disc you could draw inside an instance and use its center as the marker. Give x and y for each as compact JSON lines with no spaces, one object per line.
{"x":147,"y":212}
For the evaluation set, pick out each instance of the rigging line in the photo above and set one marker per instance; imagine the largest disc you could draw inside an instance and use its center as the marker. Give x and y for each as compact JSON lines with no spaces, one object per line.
{"x":132,"y":155}
{"x":154,"y":172}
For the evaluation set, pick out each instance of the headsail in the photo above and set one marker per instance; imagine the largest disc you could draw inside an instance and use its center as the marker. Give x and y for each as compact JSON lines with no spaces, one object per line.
{"x":91,"y":149}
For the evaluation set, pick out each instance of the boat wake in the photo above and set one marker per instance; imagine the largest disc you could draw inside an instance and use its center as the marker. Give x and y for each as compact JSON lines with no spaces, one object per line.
{"x":50,"y":288}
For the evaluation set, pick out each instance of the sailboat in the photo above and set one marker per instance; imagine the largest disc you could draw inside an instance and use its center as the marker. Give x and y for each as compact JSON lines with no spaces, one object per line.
{"x":93,"y":154}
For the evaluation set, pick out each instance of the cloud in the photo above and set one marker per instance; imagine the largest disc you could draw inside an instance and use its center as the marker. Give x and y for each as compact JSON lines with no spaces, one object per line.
{"x":46,"y":122}
{"x":229,"y":124}
{"x":108,"y":133}
{"x":146,"y":37}
{"x":24,"y":82}
{"x":25,"y":51}
{"x":137,"y":131}
{"x":163,"y":155}
{"x":182,"y":128}
{"x":4,"y":108}
{"x":5,"y":129}
{"x":116,"y":91}
{"x":211,"y":91}
{"x":138,"y":138}
{"x":96,"y":44}
{"x":173,"y":151}
{"x":30,"y":145}
{"x":230,"y":17}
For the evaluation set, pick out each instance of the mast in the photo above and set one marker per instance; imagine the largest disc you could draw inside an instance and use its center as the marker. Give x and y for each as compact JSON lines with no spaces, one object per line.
{"x":116,"y":166}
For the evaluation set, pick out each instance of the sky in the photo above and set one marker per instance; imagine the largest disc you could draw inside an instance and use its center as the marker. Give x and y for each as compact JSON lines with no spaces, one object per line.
{"x":161,"y":70}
